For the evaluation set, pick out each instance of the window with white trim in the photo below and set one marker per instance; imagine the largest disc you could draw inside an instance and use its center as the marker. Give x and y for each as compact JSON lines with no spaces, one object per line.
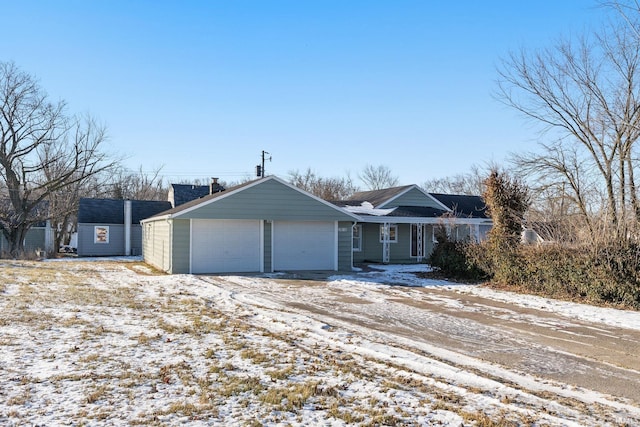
{"x":357,"y":237}
{"x":393,"y":233}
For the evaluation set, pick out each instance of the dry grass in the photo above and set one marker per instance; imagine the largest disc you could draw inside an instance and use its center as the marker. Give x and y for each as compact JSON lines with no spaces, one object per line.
{"x":201,"y":357}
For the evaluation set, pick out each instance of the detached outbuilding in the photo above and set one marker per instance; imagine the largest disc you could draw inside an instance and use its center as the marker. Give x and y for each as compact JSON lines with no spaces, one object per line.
{"x":264,"y":225}
{"x":111,"y":227}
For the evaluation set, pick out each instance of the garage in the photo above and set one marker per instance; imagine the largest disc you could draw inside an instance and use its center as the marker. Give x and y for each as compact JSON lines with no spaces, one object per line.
{"x":220,"y":245}
{"x":257,"y":226}
{"x":304,"y":245}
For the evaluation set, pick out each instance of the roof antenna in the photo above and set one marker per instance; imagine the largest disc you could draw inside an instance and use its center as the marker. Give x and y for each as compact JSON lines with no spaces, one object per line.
{"x":260,"y":168}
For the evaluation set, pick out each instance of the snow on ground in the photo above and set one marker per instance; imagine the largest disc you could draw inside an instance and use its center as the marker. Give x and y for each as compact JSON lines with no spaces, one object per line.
{"x":111,"y":343}
{"x":401,"y":275}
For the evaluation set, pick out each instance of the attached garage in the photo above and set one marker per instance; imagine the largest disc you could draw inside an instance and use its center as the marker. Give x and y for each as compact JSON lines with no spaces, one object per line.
{"x":304,"y":245}
{"x":261,"y":226}
{"x":225,"y":245}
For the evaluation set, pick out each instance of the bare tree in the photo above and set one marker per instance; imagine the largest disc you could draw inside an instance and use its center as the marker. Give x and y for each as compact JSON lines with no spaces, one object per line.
{"x":378,"y":177}
{"x":42,"y":151}
{"x":585,"y":96}
{"x":140,"y":185}
{"x":325,"y":188}
{"x":471,"y":183}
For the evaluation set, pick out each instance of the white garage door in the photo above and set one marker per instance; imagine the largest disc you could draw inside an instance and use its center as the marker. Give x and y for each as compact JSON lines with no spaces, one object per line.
{"x":225,"y":246}
{"x":304,"y":245}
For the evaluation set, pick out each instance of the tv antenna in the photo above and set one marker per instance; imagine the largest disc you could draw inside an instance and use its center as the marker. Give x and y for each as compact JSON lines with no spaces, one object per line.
{"x":260,"y":168}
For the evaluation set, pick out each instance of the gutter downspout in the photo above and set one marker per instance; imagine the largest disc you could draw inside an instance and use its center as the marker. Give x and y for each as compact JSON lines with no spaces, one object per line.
{"x":127,"y":227}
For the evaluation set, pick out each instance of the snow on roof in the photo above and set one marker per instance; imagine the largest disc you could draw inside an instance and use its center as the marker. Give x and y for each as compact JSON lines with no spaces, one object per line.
{"x":366,"y":208}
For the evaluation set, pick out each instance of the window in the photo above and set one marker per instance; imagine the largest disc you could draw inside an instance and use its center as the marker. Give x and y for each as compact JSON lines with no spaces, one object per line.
{"x":101,"y":234}
{"x":357,"y":237}
{"x":393,"y":233}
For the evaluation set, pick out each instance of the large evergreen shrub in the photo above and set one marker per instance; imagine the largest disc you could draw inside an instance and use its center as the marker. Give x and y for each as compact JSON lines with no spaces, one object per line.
{"x":451,"y":259}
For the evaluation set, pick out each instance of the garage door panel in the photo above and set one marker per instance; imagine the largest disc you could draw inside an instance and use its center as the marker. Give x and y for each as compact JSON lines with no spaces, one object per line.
{"x":225,"y":246}
{"x":306,"y":245}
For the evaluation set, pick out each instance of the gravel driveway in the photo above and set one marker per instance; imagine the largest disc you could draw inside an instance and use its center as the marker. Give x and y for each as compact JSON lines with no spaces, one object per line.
{"x":448,"y":324}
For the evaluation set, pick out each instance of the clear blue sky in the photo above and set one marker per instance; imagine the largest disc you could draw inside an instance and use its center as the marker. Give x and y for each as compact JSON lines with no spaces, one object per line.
{"x":201,"y":87}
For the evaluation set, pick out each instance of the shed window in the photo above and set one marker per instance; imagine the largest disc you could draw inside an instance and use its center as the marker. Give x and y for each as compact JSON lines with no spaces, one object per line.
{"x":101,"y":234}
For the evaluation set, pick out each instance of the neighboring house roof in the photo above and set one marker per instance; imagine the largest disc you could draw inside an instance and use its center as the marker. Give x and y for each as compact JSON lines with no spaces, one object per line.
{"x":463,"y":205}
{"x":111,"y":211}
{"x":180,"y":194}
{"x":39,"y":212}
{"x":188,"y":204}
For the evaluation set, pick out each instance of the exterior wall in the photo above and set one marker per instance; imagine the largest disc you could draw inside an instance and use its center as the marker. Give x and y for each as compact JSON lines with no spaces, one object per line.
{"x":369,"y":244}
{"x":462,"y":233}
{"x":400,"y":252}
{"x":156,"y":244}
{"x":413,"y":197}
{"x":181,"y":246}
{"x":268,"y":200}
{"x":345,"y":242}
{"x":136,"y":240}
{"x":34,"y":240}
{"x":428,"y":240}
{"x":484,"y":230}
{"x":268,"y":246}
{"x":87,"y":246}
{"x":116,"y":245}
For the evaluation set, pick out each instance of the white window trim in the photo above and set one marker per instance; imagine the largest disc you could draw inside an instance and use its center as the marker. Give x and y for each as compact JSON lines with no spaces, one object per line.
{"x":101,"y":239}
{"x":395,"y":234}
{"x":359,"y":248}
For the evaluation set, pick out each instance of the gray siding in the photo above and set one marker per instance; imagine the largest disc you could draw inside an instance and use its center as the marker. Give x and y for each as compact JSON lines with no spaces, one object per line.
{"x":136,"y":239}
{"x":462,"y":233}
{"x":429,"y":245}
{"x":400,"y":252}
{"x":268,"y":256}
{"x":87,"y":246}
{"x":268,"y":200}
{"x":484,"y":231}
{"x":33,"y":241}
{"x":345,"y":245}
{"x":413,"y":197}
{"x":181,"y":248}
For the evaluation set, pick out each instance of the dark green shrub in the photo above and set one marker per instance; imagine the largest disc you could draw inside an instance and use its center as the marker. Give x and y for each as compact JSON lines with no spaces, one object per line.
{"x":451,"y":259}
{"x":610,"y":275}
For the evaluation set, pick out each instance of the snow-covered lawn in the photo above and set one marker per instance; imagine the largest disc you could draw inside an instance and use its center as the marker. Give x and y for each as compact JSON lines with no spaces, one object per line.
{"x":114,"y":343}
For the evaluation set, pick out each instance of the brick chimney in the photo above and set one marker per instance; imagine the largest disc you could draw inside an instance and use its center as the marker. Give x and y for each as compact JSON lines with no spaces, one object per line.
{"x":214,"y":187}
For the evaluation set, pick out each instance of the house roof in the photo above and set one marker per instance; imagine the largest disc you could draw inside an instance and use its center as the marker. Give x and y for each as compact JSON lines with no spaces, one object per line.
{"x":111,"y":211}
{"x":188,"y":204}
{"x":187,"y":208}
{"x":378,"y":197}
{"x":39,"y":213}
{"x":463,"y":205}
{"x":417,"y":212}
{"x":183,"y":193}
